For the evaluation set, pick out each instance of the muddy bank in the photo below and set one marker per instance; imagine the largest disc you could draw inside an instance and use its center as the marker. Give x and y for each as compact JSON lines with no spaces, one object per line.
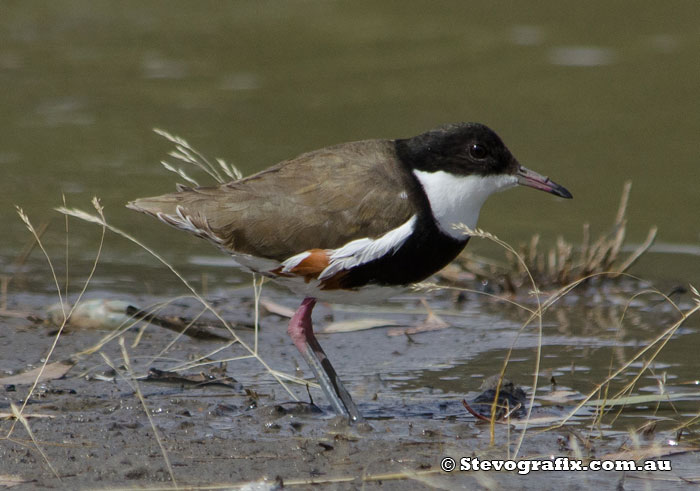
{"x":94,"y":432}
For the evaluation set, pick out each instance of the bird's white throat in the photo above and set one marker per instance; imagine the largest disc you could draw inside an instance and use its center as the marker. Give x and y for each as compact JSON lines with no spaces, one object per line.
{"x":456,"y":199}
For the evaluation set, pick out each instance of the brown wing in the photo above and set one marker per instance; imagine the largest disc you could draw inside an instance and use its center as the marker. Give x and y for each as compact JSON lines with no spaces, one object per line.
{"x":319,"y":200}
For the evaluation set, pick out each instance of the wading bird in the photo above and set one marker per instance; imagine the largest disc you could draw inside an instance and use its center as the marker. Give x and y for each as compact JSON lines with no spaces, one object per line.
{"x":352,"y":223}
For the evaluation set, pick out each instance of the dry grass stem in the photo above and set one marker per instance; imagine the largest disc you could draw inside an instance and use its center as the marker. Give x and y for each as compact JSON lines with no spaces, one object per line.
{"x":186,"y":153}
{"x":17,"y":414}
{"x":66,"y":315}
{"x":100,"y":220}
{"x":537,"y":314}
{"x":129,"y":379}
{"x":563,"y":263}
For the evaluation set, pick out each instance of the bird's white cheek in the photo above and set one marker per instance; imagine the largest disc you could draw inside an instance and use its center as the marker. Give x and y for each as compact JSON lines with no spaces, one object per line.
{"x":458,"y":199}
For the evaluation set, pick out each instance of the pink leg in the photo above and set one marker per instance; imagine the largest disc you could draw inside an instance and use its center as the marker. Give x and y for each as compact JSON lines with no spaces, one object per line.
{"x":300,"y":324}
{"x":302,"y":334}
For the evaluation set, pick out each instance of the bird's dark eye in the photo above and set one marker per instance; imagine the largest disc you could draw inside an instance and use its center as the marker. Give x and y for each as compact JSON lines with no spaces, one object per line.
{"x":478,"y":151}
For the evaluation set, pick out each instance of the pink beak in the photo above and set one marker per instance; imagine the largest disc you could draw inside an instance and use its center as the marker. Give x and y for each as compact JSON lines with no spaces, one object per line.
{"x":532,"y":179}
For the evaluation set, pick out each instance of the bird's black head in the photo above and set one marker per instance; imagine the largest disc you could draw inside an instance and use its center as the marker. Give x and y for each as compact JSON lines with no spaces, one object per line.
{"x":460,"y":149}
{"x":470,"y":149}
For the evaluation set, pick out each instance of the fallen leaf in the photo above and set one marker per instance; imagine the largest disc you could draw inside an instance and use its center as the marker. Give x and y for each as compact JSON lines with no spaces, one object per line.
{"x":25,"y":415}
{"x":561,"y":396}
{"x":196,"y":380}
{"x":645,"y":399}
{"x":52,"y":371}
{"x":276,"y":308}
{"x":432,"y":322}
{"x":358,"y":325}
{"x":9,"y":481}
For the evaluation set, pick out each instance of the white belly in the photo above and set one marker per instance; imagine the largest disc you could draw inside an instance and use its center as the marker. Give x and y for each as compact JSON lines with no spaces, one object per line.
{"x":365,"y":295}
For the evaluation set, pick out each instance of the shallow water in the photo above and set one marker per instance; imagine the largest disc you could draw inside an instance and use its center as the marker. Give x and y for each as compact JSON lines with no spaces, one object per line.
{"x":591,"y":95}
{"x":592,"y":100}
